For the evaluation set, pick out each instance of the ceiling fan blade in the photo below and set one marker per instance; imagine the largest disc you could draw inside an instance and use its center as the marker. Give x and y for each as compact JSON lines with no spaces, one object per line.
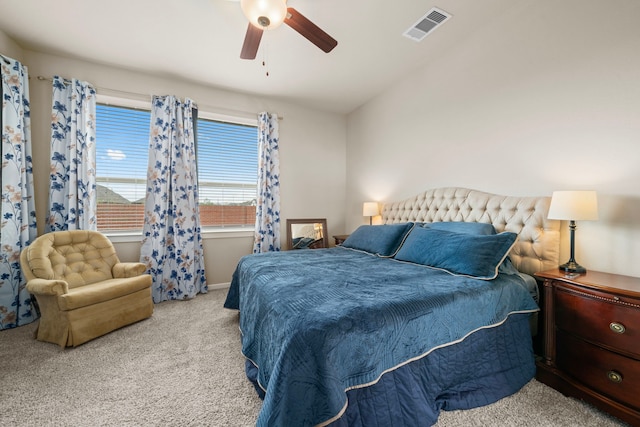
{"x":251,"y":42}
{"x":308,"y":29}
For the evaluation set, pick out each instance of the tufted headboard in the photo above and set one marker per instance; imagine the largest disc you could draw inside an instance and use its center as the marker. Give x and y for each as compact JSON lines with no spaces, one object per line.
{"x":538,"y":245}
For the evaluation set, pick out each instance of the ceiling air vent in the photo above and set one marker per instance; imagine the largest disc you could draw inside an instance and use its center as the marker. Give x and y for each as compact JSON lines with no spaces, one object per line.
{"x":427,"y":24}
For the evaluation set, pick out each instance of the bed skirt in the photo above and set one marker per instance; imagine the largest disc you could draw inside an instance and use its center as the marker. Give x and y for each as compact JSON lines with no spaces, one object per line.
{"x":483,"y":368}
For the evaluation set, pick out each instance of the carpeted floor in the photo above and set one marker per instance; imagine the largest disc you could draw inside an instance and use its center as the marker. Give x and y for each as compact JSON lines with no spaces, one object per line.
{"x":183,"y":367}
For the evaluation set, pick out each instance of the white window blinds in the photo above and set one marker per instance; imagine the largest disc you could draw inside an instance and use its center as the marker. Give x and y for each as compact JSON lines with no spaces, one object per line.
{"x":227,"y":156}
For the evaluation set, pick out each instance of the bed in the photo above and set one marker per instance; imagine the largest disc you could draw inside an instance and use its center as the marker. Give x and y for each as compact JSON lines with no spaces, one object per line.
{"x":430,"y":311}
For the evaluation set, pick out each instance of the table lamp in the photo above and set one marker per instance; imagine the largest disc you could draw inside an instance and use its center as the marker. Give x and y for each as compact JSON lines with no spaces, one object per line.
{"x":573,"y":206}
{"x":370,"y":209}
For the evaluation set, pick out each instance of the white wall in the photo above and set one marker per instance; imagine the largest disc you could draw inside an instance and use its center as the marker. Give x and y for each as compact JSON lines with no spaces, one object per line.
{"x":312,"y":146}
{"x":545,"y":97}
{"x":10,"y":48}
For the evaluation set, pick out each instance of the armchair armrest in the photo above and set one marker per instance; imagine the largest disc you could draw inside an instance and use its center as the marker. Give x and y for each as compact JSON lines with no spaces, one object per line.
{"x":128,"y":269}
{"x":47,"y":287}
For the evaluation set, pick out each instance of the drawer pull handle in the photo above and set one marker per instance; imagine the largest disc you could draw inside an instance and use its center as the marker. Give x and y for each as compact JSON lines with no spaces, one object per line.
{"x":614,"y":377}
{"x":618,"y":328}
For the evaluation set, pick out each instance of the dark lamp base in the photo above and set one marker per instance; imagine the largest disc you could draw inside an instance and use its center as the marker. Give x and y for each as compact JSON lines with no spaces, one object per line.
{"x":572,"y":267}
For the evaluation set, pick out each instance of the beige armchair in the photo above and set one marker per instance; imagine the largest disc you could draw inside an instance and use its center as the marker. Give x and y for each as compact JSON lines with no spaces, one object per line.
{"x":82,"y":288}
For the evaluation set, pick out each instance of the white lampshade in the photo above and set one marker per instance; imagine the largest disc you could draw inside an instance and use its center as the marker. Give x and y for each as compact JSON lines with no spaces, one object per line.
{"x":256,"y":10}
{"x":370,"y":209}
{"x":574,"y":205}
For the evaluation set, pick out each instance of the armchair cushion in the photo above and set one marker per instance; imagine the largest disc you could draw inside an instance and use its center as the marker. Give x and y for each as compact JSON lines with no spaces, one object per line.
{"x":102,"y":291}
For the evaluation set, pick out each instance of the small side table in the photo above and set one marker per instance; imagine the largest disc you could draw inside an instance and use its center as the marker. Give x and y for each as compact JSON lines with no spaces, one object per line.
{"x":339,"y":238}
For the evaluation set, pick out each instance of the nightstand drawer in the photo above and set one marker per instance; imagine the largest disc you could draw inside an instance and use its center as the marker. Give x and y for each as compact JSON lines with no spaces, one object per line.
{"x":609,"y":373}
{"x":600,"y":318}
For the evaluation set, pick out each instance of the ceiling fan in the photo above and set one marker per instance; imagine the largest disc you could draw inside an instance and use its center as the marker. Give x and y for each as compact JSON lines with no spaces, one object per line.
{"x":269,"y":14}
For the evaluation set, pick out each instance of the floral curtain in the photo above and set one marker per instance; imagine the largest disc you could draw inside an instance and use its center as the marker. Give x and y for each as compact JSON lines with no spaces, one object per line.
{"x":172,"y":244}
{"x":18,"y":221}
{"x":72,"y":193}
{"x":267,"y":231}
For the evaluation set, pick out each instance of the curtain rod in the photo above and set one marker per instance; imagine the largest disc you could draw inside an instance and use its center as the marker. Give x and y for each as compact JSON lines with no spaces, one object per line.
{"x":48,"y":79}
{"x":140,"y":95}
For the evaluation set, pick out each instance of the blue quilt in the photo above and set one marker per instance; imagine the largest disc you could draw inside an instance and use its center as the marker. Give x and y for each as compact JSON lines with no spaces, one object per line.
{"x":318,"y":323}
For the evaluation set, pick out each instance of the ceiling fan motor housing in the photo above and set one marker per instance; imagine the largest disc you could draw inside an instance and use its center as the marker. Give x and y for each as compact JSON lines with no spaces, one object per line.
{"x":264,"y":14}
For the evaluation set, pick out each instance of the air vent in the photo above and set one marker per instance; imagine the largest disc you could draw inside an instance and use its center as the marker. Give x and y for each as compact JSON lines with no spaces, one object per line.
{"x":427,"y":24}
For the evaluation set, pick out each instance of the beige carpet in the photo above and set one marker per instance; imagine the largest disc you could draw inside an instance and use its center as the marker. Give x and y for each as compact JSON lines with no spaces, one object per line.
{"x":183,"y":367}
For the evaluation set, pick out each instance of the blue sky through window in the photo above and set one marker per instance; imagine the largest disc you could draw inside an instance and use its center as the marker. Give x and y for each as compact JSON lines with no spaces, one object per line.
{"x":227,"y":156}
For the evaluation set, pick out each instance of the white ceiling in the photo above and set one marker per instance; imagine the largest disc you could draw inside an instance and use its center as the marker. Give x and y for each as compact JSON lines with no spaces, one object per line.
{"x":200,"y":41}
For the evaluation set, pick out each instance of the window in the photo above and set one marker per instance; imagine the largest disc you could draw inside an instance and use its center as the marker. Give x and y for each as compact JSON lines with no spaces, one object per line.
{"x":227,"y":156}
{"x":122,"y":145}
{"x":227,"y":161}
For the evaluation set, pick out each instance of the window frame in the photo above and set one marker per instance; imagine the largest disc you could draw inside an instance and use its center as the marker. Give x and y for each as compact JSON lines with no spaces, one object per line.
{"x":206,"y":232}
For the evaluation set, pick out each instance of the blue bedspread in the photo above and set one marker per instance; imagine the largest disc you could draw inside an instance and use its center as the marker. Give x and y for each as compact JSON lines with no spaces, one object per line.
{"x":317,"y":323}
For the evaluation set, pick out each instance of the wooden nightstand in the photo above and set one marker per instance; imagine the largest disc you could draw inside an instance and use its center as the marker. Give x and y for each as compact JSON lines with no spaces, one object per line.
{"x":592,"y":340}
{"x":340,"y":238}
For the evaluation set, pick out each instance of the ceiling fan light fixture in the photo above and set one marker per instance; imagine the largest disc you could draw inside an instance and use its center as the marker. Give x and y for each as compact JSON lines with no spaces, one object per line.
{"x":264,"y":14}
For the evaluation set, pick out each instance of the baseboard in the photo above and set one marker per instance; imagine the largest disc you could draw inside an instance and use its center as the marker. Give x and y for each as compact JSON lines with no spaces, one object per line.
{"x":219,"y":286}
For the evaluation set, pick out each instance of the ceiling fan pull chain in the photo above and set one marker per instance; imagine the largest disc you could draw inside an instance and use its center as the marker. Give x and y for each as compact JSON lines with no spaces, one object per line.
{"x":265,"y":52}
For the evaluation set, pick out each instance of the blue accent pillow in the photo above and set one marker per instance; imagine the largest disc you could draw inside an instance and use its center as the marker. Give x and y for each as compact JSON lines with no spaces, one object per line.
{"x":463,"y":254}
{"x":481,"y":228}
{"x":381,"y":240}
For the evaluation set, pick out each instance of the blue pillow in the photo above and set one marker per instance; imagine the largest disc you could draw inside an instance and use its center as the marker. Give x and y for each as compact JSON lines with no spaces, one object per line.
{"x":481,"y":228}
{"x":381,"y":240}
{"x":477,"y":256}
